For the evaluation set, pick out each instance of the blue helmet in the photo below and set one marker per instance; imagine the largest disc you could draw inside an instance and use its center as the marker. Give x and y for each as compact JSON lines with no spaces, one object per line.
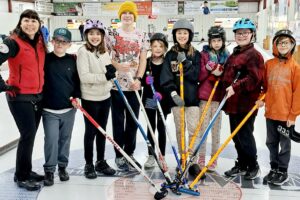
{"x":244,"y":23}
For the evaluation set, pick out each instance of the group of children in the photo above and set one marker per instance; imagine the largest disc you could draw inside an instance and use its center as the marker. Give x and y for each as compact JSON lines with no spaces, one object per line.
{"x":89,"y":76}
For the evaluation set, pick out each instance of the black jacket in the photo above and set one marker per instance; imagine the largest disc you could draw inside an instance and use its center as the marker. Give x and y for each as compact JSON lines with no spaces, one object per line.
{"x":169,"y":78}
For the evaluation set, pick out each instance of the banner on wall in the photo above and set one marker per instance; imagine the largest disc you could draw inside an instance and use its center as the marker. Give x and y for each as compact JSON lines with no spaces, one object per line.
{"x":91,"y":9}
{"x":225,"y":7}
{"x":67,"y":9}
{"x":193,"y":7}
{"x":165,"y":8}
{"x":144,"y":8}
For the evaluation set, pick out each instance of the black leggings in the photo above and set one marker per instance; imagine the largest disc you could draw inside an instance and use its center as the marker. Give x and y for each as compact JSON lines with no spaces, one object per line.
{"x":152,"y":115}
{"x":99,"y":110}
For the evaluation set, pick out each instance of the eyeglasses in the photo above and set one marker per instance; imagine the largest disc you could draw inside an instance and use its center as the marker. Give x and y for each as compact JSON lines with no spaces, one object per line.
{"x":283,"y":43}
{"x":63,"y":42}
{"x":243,"y":34}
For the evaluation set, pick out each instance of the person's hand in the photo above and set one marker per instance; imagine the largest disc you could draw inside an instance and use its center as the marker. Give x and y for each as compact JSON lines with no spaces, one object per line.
{"x":259,"y":103}
{"x":149,"y":80}
{"x":177,"y":99}
{"x":157,"y":96}
{"x":75,"y":103}
{"x":218,"y":71}
{"x":181,"y":57}
{"x":124,"y":67}
{"x":211,"y":65}
{"x":10,"y":90}
{"x":289,"y":123}
{"x":135,"y":85}
{"x":110,"y":72}
{"x":230,"y":91}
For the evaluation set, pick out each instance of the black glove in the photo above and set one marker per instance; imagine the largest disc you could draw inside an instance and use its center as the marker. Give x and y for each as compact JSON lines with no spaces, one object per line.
{"x":110,"y":72}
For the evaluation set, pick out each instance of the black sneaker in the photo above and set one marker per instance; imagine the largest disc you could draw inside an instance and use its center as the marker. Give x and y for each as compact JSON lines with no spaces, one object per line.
{"x":253,"y":174}
{"x":236,"y":170}
{"x":136,"y":162}
{"x":32,"y":176}
{"x":63,"y":174}
{"x":268,"y":178}
{"x":29,"y":185}
{"x":49,"y":179}
{"x":280,"y":178}
{"x":102,"y":167}
{"x":89,"y":171}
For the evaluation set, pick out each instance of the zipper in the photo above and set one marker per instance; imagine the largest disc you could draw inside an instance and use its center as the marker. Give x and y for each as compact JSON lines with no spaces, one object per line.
{"x":20,"y":73}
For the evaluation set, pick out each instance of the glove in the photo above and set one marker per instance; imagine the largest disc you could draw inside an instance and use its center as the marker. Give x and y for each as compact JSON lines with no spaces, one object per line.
{"x":110,"y":72}
{"x":177,"y":99}
{"x":218,"y":71}
{"x":12,"y":91}
{"x":211,"y":65}
{"x":157,"y":96}
{"x":149,"y":80}
{"x":181,"y":57}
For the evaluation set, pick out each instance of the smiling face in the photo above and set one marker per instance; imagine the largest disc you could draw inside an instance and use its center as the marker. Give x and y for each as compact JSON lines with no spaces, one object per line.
{"x":157,"y":48}
{"x":284,"y":45}
{"x":243,"y":36}
{"x":127,"y":18}
{"x":182,"y":36}
{"x":94,"y":37}
{"x":30,"y":26}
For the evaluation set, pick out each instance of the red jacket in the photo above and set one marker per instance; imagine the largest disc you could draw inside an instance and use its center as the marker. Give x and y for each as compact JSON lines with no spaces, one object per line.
{"x":249,"y":62}
{"x":26,"y":69}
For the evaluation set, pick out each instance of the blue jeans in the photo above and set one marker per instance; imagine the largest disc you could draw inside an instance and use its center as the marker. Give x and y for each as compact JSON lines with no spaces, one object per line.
{"x":58,"y":132}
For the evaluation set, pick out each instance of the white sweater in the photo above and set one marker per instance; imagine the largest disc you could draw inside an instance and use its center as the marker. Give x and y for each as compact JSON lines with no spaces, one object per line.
{"x":91,"y":69}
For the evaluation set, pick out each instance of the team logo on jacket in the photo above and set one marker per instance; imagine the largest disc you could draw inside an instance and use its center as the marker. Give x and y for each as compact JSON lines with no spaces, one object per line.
{"x":174,"y":66}
{"x":4,"y":48}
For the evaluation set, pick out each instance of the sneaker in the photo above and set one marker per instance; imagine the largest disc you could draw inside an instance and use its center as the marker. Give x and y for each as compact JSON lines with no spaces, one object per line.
{"x":253,"y":174}
{"x":122,"y":164}
{"x":150,"y":163}
{"x":268,"y":178}
{"x":49,"y":179}
{"x":63,"y":174}
{"x":236,"y":170}
{"x":89,"y":171}
{"x":136,"y":162}
{"x":102,"y":167}
{"x":280,"y":178}
{"x":213,"y":166}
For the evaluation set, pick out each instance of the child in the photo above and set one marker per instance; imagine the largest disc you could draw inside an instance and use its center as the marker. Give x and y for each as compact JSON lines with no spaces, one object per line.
{"x":128,"y":47}
{"x":242,"y":95}
{"x":213,"y":58}
{"x":182,"y":52}
{"x":282,"y":79}
{"x":95,"y":72}
{"x":159,"y":45}
{"x":61,"y":83}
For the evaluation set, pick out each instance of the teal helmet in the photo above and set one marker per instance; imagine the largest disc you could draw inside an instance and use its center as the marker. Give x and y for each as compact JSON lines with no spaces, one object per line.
{"x":244,"y":23}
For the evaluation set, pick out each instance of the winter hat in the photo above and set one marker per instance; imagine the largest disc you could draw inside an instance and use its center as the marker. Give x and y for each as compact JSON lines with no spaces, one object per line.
{"x":128,"y":6}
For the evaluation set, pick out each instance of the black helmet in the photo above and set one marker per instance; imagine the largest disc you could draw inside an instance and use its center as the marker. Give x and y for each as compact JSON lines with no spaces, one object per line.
{"x":287,"y":33}
{"x":216,"y":32}
{"x":183,"y":24}
{"x":159,"y":36}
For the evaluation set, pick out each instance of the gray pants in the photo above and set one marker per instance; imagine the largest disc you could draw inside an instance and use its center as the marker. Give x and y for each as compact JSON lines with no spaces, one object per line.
{"x":279,"y":158}
{"x":58,"y":131}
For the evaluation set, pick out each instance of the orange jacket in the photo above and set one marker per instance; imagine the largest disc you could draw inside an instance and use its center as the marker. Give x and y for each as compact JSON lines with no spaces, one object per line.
{"x":282,"y":86}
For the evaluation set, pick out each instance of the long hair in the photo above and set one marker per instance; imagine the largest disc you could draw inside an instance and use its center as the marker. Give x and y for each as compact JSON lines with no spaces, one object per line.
{"x":31,"y":14}
{"x":100,"y":48}
{"x":189,"y":47}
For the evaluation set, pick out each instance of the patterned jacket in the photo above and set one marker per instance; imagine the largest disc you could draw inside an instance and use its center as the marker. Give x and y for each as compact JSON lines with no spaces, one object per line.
{"x":249,"y":62}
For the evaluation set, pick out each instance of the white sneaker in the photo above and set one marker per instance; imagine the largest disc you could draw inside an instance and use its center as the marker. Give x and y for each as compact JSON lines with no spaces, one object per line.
{"x":150,"y":163}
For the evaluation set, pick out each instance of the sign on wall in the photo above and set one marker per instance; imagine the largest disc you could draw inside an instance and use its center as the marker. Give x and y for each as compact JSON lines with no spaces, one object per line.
{"x":229,"y":6}
{"x":67,"y":9}
{"x":165,"y":8}
{"x":193,"y":7}
{"x":91,"y":9}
